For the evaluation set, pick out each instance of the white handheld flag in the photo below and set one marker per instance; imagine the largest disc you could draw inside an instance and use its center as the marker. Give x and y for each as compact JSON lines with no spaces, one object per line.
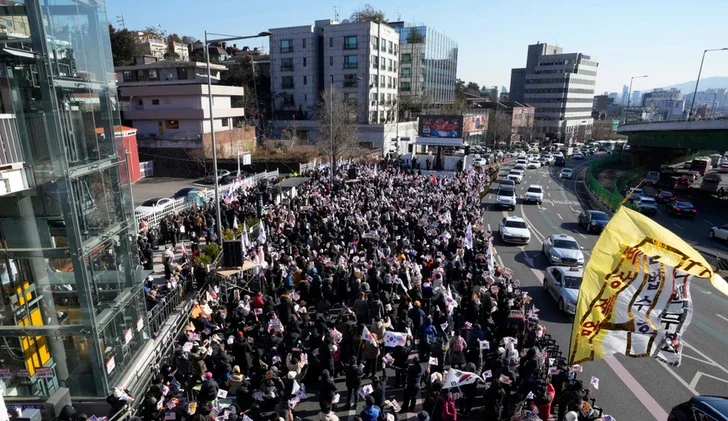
{"x":457,"y":378}
{"x":469,"y":237}
{"x":595,"y":382}
{"x":392,"y":339}
{"x":261,"y":233}
{"x":244,"y":237}
{"x":367,"y":336}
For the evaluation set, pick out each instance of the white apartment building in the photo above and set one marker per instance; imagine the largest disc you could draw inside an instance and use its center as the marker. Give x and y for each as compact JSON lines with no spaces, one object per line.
{"x":168,"y":102}
{"x":360,"y":58}
{"x":157,"y":47}
{"x":561,"y":88}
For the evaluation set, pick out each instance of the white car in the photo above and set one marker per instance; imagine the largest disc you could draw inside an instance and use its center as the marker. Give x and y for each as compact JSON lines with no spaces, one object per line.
{"x":152,"y":206}
{"x":646,"y":205}
{"x":506,"y":198}
{"x":578,"y":156}
{"x":514,"y":230}
{"x":566,"y":173}
{"x":720,"y":232}
{"x":522,"y":162}
{"x":534,"y":165}
{"x":723,"y":167}
{"x":534,"y":194}
{"x":516,"y":176}
{"x":480,"y":162}
{"x":562,"y":249}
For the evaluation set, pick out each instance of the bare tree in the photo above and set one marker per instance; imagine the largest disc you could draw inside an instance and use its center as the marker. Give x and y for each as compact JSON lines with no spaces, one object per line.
{"x":291,"y":132}
{"x":338,"y":133}
{"x":499,"y":128}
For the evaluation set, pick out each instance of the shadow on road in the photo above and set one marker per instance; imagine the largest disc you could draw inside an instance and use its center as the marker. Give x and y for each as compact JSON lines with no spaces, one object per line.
{"x":572,"y":226}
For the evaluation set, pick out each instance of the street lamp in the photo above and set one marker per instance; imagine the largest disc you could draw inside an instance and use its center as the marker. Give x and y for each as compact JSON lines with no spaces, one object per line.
{"x":208,"y":42}
{"x":331,"y":129}
{"x":629,"y":96}
{"x":695,"y":93}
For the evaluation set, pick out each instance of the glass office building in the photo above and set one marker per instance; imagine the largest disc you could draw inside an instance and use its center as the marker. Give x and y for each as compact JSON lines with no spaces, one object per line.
{"x":428,"y":63}
{"x":73,"y":311}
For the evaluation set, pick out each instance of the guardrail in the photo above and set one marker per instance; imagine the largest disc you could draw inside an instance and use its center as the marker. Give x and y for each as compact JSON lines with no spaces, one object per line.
{"x":184,"y":203}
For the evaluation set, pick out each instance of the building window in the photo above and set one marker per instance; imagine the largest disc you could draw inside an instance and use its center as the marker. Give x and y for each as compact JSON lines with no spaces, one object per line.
{"x":374,"y":97}
{"x":225,"y":122}
{"x":389,"y":82}
{"x":331,"y":60}
{"x":395,"y":49}
{"x":375,"y":43}
{"x":383,"y":64}
{"x":349,"y":62}
{"x":331,"y":42}
{"x":382,"y":81}
{"x":155,"y":102}
{"x":305,"y":79}
{"x":286,"y":46}
{"x":350,"y":81}
{"x":172,"y":124}
{"x":127,"y":76}
{"x":389,"y":99}
{"x":389,"y":67}
{"x":406,"y":58}
{"x":304,"y":43}
{"x":182,"y":73}
{"x":350,"y":42}
{"x":394,"y":82}
{"x":287,"y":64}
{"x":153,"y":75}
{"x":394,"y":66}
{"x":373,"y":116}
{"x":405,"y":72}
{"x":287,"y":82}
{"x":390,"y":50}
{"x":304,"y":62}
{"x":381,"y":99}
{"x":384,"y":46}
{"x":404,"y":86}
{"x":140,"y":102}
{"x":351,"y":98}
{"x":375,"y":61}
{"x":381,"y":116}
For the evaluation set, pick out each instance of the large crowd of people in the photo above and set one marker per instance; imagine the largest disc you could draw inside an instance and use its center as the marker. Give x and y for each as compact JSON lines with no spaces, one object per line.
{"x":378,"y":295}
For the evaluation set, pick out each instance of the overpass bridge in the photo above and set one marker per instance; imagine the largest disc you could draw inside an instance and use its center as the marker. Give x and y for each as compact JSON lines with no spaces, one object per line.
{"x":655,"y":143}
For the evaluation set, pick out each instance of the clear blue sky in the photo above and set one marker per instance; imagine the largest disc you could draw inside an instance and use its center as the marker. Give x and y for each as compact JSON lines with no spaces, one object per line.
{"x":663,"y":39}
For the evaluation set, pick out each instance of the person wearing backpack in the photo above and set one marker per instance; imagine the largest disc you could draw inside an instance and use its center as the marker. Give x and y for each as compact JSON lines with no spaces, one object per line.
{"x":447,"y":405}
{"x":429,"y":334}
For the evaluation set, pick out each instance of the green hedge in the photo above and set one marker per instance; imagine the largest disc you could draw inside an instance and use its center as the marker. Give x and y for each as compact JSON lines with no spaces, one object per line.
{"x":611,"y":198}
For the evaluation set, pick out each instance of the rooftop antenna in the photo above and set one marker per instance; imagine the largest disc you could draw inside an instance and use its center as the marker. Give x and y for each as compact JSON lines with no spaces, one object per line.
{"x":399,"y":16}
{"x":120,"y":20}
{"x":336,"y":13}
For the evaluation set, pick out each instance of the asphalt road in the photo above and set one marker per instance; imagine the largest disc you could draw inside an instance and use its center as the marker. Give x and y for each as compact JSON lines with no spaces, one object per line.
{"x":629,"y":389}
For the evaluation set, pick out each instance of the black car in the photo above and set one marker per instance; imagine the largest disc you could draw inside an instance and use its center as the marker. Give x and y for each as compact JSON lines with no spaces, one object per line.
{"x":665,"y":197}
{"x":681,"y":208}
{"x":560,"y":161}
{"x":593,"y":220}
{"x":701,"y":408}
{"x":683,"y":184}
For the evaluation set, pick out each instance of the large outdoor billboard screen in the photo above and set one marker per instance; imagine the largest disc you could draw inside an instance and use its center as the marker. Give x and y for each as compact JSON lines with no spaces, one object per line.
{"x":442,"y":126}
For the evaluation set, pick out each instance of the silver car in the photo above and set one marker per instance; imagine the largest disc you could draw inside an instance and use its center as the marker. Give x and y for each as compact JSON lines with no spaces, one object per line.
{"x":563,"y":283}
{"x":561,"y":249}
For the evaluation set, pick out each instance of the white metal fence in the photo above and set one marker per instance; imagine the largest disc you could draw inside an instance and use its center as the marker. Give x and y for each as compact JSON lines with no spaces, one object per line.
{"x":184,"y":203}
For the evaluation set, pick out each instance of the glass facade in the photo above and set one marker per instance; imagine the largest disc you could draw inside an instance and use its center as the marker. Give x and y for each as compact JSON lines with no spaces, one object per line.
{"x":429,"y":62}
{"x":73,"y":312}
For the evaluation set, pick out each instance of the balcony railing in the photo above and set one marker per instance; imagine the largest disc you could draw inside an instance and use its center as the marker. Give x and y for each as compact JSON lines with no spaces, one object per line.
{"x":9,"y":140}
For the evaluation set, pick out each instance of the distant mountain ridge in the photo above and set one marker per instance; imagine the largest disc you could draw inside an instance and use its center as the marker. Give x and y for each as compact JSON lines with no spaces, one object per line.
{"x":714,"y":82}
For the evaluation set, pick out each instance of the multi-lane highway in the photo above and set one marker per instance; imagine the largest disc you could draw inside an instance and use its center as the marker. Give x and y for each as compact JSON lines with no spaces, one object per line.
{"x":629,"y":389}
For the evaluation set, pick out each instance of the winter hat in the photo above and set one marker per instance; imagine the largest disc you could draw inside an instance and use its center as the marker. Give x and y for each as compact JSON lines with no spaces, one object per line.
{"x":208,"y":375}
{"x":369,"y":400}
{"x":423,"y":416}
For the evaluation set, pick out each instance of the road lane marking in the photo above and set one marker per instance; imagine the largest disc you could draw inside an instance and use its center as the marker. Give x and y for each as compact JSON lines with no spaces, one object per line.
{"x":560,"y":217}
{"x":722,"y":317}
{"x":711,"y":331}
{"x":639,"y":392}
{"x":677,"y":377}
{"x":708,"y":222}
{"x":582,"y":235}
{"x":489,"y":230}
{"x":548,"y":193}
{"x":700,"y":374}
{"x":677,"y":225}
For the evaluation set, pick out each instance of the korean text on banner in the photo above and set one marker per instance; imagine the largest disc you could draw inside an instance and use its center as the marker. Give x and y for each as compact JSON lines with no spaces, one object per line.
{"x":635,"y":294}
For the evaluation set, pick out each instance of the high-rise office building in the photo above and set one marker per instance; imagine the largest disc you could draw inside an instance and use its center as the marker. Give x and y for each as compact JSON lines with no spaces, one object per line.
{"x":625,"y":93}
{"x":561,"y":88}
{"x":73,"y":312}
{"x":361,"y":59}
{"x":428,"y":64}
{"x":518,"y":76}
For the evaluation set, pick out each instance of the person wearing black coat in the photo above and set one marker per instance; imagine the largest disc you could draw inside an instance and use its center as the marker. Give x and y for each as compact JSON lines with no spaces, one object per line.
{"x":469,"y":390}
{"x":354,"y":374}
{"x":327,"y":389}
{"x":414,"y":383}
{"x":380,"y":387}
{"x":494,"y":397}
{"x":208,"y":389}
